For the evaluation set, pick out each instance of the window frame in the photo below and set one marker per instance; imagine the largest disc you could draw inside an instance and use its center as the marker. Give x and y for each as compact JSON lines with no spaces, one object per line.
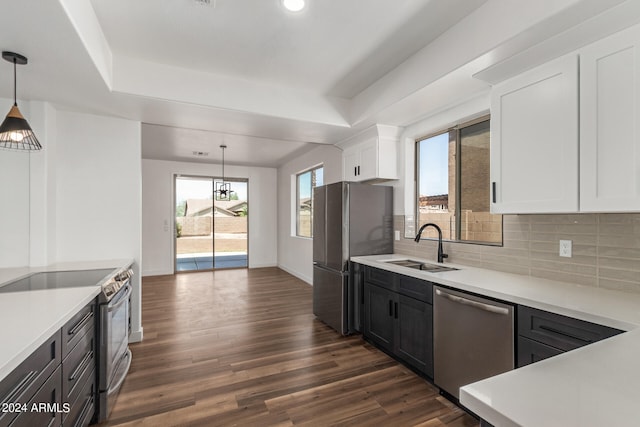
{"x":297,"y":210}
{"x":458,"y":184}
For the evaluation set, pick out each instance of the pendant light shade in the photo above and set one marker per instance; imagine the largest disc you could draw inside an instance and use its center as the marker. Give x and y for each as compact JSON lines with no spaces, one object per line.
{"x":15,"y":132}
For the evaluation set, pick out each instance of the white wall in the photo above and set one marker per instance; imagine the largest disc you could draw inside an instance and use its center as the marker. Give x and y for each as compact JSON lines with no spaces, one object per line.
{"x":158,"y":211}
{"x":14,"y":198}
{"x":295,"y":253}
{"x":97,"y":201}
{"x":14,"y":203}
{"x":43,"y":186}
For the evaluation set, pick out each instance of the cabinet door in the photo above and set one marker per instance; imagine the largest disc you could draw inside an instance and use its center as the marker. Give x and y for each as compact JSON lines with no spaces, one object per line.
{"x":609,"y":124}
{"x":534,"y":140}
{"x":414,"y":334}
{"x":379,"y":321}
{"x":351,"y":160}
{"x":368,"y":160}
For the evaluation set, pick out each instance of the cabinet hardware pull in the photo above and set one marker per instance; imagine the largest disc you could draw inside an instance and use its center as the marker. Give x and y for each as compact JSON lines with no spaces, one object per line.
{"x":493,"y":191}
{"x":81,"y":323}
{"x":85,"y":360}
{"x":565,"y":334}
{"x":396,"y":310}
{"x":358,"y":170}
{"x":85,"y":407}
{"x":390,"y":308}
{"x":355,"y":171}
{"x":13,"y":394}
{"x":482,"y":306}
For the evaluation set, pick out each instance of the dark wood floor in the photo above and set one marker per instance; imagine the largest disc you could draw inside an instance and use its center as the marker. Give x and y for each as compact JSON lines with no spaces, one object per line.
{"x":242,"y":347}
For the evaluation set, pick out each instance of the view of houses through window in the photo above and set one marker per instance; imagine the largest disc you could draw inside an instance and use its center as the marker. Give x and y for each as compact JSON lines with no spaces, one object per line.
{"x":305,"y":183}
{"x":453,"y":188}
{"x":210,"y":233}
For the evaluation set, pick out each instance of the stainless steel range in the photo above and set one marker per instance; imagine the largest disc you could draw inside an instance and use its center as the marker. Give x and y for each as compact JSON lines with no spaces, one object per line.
{"x":114,"y":357}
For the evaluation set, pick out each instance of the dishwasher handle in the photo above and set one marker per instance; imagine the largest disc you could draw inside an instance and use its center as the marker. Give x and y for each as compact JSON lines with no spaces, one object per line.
{"x":482,"y":306}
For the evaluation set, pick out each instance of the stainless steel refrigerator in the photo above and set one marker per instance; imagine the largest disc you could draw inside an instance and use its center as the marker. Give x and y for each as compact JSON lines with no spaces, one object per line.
{"x":349,"y":219}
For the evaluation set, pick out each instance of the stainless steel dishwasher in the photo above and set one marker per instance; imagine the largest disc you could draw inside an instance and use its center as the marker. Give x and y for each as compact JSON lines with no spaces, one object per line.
{"x":472,"y":339}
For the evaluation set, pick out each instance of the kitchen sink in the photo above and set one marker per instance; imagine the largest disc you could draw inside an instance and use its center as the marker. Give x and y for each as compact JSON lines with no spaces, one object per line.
{"x":419,"y":265}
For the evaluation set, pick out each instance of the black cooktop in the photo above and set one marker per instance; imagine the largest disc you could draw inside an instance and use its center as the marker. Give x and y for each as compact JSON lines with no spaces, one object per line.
{"x":58,"y":279}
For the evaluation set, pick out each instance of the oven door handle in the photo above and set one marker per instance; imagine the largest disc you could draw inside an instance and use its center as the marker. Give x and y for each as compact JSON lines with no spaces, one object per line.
{"x":117,"y":385}
{"x":121,"y":300}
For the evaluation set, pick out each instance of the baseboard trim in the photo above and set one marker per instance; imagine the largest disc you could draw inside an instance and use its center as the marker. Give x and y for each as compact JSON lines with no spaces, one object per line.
{"x":136,"y":336}
{"x":303,"y":277}
{"x":157,"y":273}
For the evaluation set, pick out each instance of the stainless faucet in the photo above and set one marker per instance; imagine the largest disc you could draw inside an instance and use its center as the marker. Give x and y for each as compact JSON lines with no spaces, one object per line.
{"x":441,"y":254}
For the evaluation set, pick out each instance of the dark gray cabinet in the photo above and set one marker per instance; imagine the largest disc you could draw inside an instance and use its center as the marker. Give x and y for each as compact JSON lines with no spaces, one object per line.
{"x":55,"y":385}
{"x":542,"y":334}
{"x":79,"y":367}
{"x":414,"y":334}
{"x":398,"y":317}
{"x":18,"y":389}
{"x":379,"y":322}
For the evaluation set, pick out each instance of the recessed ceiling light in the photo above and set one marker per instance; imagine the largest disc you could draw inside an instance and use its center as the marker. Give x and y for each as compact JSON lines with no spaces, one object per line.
{"x":200,"y":153}
{"x":293,"y":5}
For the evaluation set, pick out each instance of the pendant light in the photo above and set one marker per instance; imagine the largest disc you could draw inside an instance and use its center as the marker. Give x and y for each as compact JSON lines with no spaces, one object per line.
{"x":15,"y":132}
{"x":223,"y":189}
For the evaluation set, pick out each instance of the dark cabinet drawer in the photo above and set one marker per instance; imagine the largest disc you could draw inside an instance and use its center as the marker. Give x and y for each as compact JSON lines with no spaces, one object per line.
{"x":530,"y":351}
{"x":75,"y":367}
{"x":561,"y":332}
{"x":383,"y":278}
{"x":419,"y":289}
{"x":21,"y":384}
{"x":83,"y":407}
{"x":77,"y":327}
{"x":45,"y":407}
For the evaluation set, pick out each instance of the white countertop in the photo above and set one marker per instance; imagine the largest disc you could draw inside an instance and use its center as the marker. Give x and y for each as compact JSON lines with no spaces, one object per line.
{"x":594,"y":385}
{"x":29,"y":318}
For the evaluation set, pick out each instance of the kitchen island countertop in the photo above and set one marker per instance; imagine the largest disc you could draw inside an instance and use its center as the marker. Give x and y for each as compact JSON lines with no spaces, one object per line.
{"x":591,"y":386}
{"x":29,"y":318}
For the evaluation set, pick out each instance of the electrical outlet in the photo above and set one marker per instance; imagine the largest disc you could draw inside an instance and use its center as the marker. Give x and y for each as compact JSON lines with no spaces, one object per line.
{"x":396,"y":234}
{"x":565,"y":248}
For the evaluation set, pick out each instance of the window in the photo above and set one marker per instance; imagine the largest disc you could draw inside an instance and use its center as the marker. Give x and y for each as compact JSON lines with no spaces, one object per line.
{"x":453,"y":189}
{"x":305,"y":183}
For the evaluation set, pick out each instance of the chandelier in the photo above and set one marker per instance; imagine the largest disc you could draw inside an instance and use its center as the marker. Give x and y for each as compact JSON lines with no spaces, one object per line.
{"x":223,"y":189}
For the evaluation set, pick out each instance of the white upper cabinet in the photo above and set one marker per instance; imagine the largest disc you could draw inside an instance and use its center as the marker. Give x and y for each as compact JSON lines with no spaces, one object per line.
{"x":540,"y":163}
{"x":371,"y":155}
{"x":534,"y":140}
{"x":610,"y":115}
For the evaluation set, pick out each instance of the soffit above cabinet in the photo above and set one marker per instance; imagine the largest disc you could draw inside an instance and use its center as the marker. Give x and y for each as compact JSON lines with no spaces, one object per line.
{"x":379,"y":131}
{"x":571,"y":29}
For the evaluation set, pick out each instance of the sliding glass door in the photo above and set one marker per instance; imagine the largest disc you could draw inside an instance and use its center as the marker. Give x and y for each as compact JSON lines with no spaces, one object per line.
{"x":210,"y":233}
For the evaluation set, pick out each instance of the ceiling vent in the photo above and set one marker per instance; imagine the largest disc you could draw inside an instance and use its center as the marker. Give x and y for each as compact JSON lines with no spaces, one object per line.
{"x":205,"y":2}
